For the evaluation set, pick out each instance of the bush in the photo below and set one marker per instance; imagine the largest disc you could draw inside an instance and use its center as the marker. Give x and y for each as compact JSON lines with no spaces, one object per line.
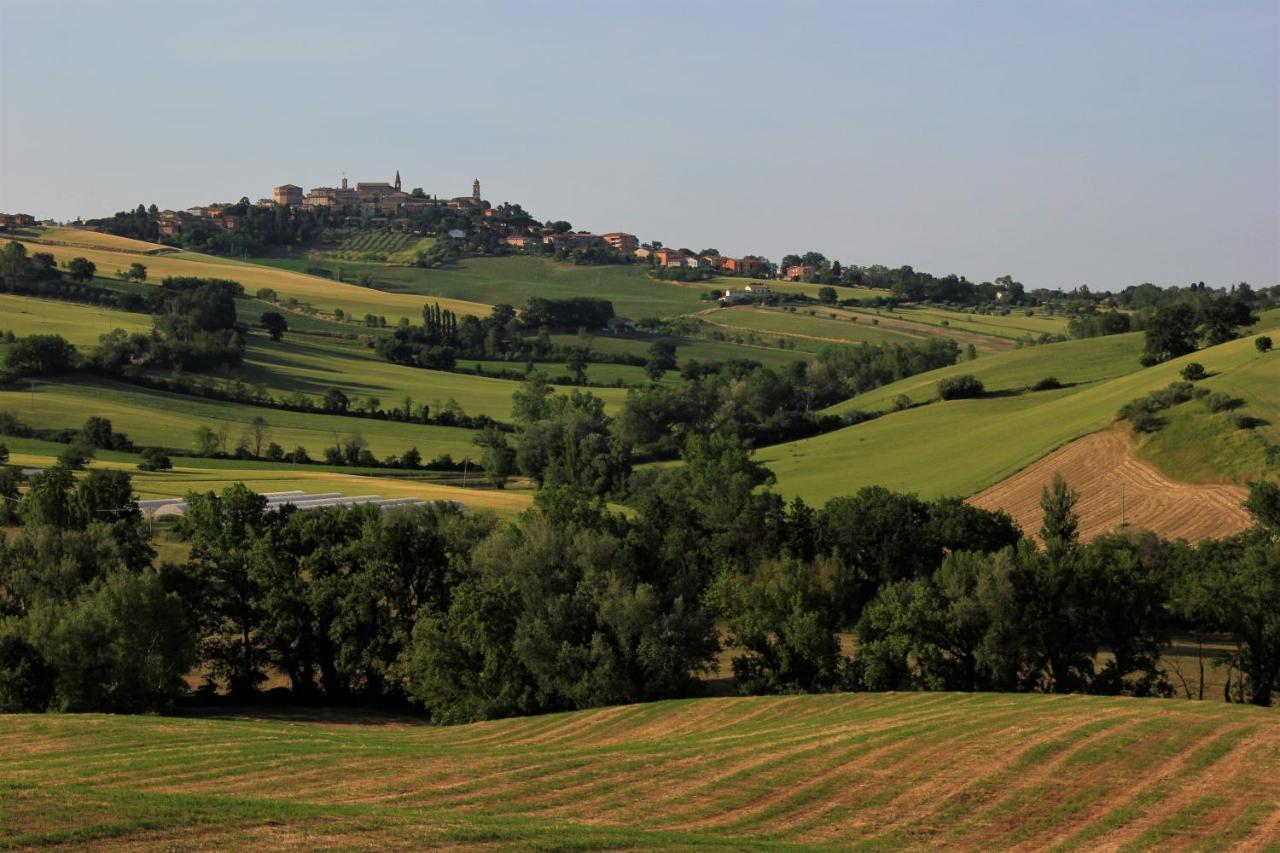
{"x":1217,"y":401}
{"x":1145,"y":422}
{"x":1173,"y":394}
{"x":965,"y":386}
{"x":1263,"y":343}
{"x":76,"y":455}
{"x":1047,"y":384}
{"x":1194,"y":371}
{"x":154,"y":459}
{"x":26,"y":684}
{"x":901,"y":403}
{"x":1240,"y":420}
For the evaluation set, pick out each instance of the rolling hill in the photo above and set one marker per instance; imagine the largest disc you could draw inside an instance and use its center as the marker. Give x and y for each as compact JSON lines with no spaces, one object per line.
{"x":960,"y":447}
{"x":880,"y":771}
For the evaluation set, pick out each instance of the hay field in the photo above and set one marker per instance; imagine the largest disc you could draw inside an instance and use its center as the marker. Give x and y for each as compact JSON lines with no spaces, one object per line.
{"x":322,"y":293}
{"x":880,"y":771}
{"x":1116,"y":489}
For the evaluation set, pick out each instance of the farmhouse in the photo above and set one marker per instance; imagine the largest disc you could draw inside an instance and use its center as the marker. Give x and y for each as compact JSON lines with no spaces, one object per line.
{"x":16,"y":220}
{"x":617,"y":325}
{"x":798,"y":272}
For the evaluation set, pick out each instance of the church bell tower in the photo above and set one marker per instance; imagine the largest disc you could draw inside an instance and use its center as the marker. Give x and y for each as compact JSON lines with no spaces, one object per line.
{"x":475,"y":189}
{"x":397,"y":180}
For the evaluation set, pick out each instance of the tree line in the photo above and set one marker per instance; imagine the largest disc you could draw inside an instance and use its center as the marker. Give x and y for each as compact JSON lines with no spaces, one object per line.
{"x":572,"y":605}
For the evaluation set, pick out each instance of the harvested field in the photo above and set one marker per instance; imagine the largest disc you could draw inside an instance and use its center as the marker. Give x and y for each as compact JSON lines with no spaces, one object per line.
{"x":888,"y":771}
{"x":1118,"y":488}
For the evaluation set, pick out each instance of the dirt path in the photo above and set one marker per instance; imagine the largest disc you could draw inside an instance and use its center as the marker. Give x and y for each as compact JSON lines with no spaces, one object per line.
{"x":1115,"y":485}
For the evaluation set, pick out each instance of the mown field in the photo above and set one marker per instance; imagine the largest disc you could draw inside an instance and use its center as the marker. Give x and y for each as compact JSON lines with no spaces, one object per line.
{"x":776,"y":322}
{"x":312,"y":365}
{"x":874,"y":771}
{"x":197,"y":474}
{"x":80,"y":324}
{"x":960,"y":447}
{"x":319,"y":292}
{"x":1015,"y":324}
{"x":512,"y":280}
{"x":162,"y":419}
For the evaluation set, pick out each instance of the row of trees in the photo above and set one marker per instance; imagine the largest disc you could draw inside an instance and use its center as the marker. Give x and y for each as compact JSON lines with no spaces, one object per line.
{"x":572,"y":606}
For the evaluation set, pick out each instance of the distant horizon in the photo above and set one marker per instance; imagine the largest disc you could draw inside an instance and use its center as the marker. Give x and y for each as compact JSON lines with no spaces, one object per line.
{"x":1092,"y":145}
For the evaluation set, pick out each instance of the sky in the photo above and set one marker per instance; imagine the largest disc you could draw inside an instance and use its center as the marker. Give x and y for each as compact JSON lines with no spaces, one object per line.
{"x":1064,"y":143}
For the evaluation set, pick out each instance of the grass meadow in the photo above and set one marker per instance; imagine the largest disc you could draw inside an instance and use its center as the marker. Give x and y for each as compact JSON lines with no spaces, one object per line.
{"x":875,"y":771}
{"x":960,"y":447}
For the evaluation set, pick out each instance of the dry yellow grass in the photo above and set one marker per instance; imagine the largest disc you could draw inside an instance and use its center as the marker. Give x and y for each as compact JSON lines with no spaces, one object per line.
{"x":321,"y":293}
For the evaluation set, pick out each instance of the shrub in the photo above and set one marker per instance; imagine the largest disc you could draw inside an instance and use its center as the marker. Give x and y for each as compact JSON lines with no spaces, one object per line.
{"x":154,"y":459}
{"x":1263,"y":343}
{"x":1194,"y":371}
{"x":76,"y":455}
{"x":901,"y":402}
{"x":26,"y":684}
{"x":1240,"y":420}
{"x":961,"y":387}
{"x":1047,"y":384}
{"x":1217,"y":401}
{"x":1145,"y":422}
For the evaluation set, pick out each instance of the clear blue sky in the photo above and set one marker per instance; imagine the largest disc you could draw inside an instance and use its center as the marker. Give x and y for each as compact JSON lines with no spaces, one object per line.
{"x":1101,"y":143}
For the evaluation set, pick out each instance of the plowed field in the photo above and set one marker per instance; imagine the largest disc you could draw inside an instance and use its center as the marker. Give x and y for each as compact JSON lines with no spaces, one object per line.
{"x":1118,"y":488}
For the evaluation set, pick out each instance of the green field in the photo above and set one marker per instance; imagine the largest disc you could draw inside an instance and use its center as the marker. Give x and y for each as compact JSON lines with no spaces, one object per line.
{"x":371,"y":245}
{"x":1071,"y":362}
{"x":312,"y":365}
{"x":912,"y":770}
{"x":512,"y":280}
{"x":321,"y":293}
{"x":962,"y":446}
{"x":775,"y":322}
{"x":80,"y":324}
{"x":169,"y":420}
{"x":1013,"y":325}
{"x":702,"y":349}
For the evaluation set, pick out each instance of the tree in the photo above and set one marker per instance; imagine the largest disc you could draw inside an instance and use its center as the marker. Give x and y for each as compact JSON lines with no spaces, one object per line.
{"x":1171,"y":332}
{"x":258,"y":431}
{"x":784,"y":616}
{"x":206,"y":441}
{"x":137,"y":272}
{"x":1263,"y":343}
{"x":1221,"y":316}
{"x":499,"y":459}
{"x":577,"y":361}
{"x":48,"y":498}
{"x":81,"y":269}
{"x":97,"y":431}
{"x":10,"y":481}
{"x":26,"y":684}
{"x":275,"y":324}
{"x":4,"y":454}
{"x":828,"y":295}
{"x":154,"y":459}
{"x":76,"y":455}
{"x":335,"y":401}
{"x":960,"y":387}
{"x":1060,"y":524}
{"x":124,"y":645}
{"x":662,"y":357}
{"x":39,"y":355}
{"x":223,"y":530}
{"x":1193,"y":371}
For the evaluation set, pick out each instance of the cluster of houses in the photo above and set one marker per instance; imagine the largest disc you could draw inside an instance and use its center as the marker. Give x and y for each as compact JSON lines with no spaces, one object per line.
{"x":629,"y":244}
{"x":376,"y":203}
{"x":9,"y":221}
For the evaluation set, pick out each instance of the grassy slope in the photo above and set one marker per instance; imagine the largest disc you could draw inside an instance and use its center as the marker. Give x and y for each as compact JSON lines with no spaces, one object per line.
{"x":1199,"y":446}
{"x":313,"y":290}
{"x":774,"y":322}
{"x":169,"y":420}
{"x":1070,"y":362}
{"x":312,"y":365}
{"x":512,"y":280}
{"x":80,"y":324}
{"x":892,"y":771}
{"x":962,"y":446}
{"x":1014,"y":325}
